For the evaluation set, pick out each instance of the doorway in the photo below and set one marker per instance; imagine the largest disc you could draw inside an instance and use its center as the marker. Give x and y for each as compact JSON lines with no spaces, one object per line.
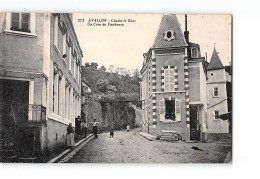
{"x":14,"y":100}
{"x":194,"y":123}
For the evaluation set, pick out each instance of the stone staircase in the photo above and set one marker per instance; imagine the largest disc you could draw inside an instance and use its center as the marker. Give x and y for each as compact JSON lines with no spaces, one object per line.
{"x":170,"y":136}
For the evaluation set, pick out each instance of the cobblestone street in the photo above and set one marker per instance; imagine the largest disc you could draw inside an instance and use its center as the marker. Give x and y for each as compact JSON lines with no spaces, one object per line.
{"x":129,"y":147}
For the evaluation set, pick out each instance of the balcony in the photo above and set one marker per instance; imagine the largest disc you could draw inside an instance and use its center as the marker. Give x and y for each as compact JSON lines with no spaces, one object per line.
{"x":16,"y":114}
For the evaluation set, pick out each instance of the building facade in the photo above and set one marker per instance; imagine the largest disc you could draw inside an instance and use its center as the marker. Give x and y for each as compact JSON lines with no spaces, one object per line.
{"x":173,"y":86}
{"x":40,"y":80}
{"x":218,"y":84}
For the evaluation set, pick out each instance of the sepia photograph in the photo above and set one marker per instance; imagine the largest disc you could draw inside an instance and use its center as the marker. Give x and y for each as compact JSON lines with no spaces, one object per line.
{"x":115,"y":88}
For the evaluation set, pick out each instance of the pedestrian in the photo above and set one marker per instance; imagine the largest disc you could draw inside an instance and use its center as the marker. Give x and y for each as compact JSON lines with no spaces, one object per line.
{"x":70,"y":136}
{"x":95,"y":129}
{"x":111,"y":132}
{"x":85,"y":127}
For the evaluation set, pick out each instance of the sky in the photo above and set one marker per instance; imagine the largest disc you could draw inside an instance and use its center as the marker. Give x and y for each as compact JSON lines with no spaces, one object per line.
{"x":123,"y":46}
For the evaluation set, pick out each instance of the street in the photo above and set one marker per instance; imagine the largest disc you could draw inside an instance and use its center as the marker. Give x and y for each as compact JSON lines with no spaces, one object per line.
{"x":129,"y":147}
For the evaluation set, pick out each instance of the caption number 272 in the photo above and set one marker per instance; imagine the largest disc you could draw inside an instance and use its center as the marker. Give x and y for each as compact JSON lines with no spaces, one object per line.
{"x":81,"y":20}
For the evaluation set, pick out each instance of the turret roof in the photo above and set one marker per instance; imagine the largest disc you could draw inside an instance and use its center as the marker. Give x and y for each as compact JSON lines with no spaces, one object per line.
{"x":215,"y":62}
{"x":169,"y":22}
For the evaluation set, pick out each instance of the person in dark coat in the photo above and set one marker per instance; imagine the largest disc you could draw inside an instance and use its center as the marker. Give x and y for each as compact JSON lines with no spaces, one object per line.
{"x":70,"y":136}
{"x":111,"y":132}
{"x":95,"y":129}
{"x":85,"y":128}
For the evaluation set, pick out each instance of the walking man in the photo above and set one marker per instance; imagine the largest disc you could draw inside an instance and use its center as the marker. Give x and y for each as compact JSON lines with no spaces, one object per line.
{"x":70,"y":136}
{"x":95,"y":129}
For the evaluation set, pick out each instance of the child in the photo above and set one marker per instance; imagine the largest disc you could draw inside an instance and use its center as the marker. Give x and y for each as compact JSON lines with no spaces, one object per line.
{"x":111,"y":132}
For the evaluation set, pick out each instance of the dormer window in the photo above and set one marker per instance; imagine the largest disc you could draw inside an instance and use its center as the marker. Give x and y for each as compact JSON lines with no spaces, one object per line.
{"x":169,"y":35}
{"x":194,"y":53}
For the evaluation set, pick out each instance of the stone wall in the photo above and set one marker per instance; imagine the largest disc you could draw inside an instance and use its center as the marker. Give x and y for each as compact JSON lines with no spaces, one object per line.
{"x":55,"y":135}
{"x":116,"y":114}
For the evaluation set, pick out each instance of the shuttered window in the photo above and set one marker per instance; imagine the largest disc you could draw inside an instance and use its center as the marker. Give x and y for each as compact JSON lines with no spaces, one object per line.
{"x":169,"y":79}
{"x":170,"y":109}
{"x":162,"y":109}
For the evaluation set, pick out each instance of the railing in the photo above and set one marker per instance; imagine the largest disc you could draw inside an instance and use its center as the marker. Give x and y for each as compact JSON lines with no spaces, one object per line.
{"x":17,"y":114}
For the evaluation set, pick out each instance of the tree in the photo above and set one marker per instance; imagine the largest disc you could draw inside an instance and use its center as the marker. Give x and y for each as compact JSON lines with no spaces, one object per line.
{"x":103,"y":68}
{"x":111,"y":88}
{"x":94,"y":65}
{"x":116,"y":70}
{"x":123,"y":71}
{"x":102,"y":85}
{"x":87,"y":65}
{"x":111,"y":68}
{"x":128,"y":72}
{"x":136,"y":73}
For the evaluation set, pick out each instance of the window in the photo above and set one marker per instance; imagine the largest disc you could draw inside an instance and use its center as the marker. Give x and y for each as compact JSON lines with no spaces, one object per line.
{"x":75,"y":67}
{"x":69,"y":103}
{"x":55,"y":31}
{"x":44,"y":91}
{"x":20,"y":22}
{"x":66,"y":101}
{"x":194,"y":53}
{"x":70,"y":59}
{"x":64,"y":45}
{"x":73,"y":106}
{"x":169,"y":35}
{"x":59,"y":95}
{"x":215,"y":92}
{"x":169,"y":79}
{"x":169,"y":109}
{"x":54,"y":91}
{"x":216,"y":114}
{"x":78,"y":75}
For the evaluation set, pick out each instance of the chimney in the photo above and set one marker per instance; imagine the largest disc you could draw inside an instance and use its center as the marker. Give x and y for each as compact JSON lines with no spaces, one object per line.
{"x":186,"y":32}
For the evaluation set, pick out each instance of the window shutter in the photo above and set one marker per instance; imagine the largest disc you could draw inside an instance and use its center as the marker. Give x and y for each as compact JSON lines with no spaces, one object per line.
{"x":177,"y":110}
{"x":162,"y":109}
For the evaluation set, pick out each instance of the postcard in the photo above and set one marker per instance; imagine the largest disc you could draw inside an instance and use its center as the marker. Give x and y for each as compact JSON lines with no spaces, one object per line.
{"x":115,"y":88}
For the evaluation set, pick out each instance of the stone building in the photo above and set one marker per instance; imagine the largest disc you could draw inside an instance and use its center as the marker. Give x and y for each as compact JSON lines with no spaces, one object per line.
{"x":218,"y":93}
{"x":40,"y":80}
{"x":173,"y":86}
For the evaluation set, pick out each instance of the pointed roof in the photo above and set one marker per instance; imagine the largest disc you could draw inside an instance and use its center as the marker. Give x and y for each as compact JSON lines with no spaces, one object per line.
{"x":169,"y":22}
{"x":215,"y":62}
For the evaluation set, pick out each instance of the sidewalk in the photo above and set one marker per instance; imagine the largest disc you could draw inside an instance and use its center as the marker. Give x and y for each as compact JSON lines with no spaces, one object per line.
{"x":63,"y":157}
{"x":147,"y":136}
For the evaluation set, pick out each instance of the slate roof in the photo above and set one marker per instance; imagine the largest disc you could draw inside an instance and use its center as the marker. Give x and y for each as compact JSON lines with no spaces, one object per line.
{"x":229,"y":69}
{"x":215,"y":62}
{"x":169,"y":22}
